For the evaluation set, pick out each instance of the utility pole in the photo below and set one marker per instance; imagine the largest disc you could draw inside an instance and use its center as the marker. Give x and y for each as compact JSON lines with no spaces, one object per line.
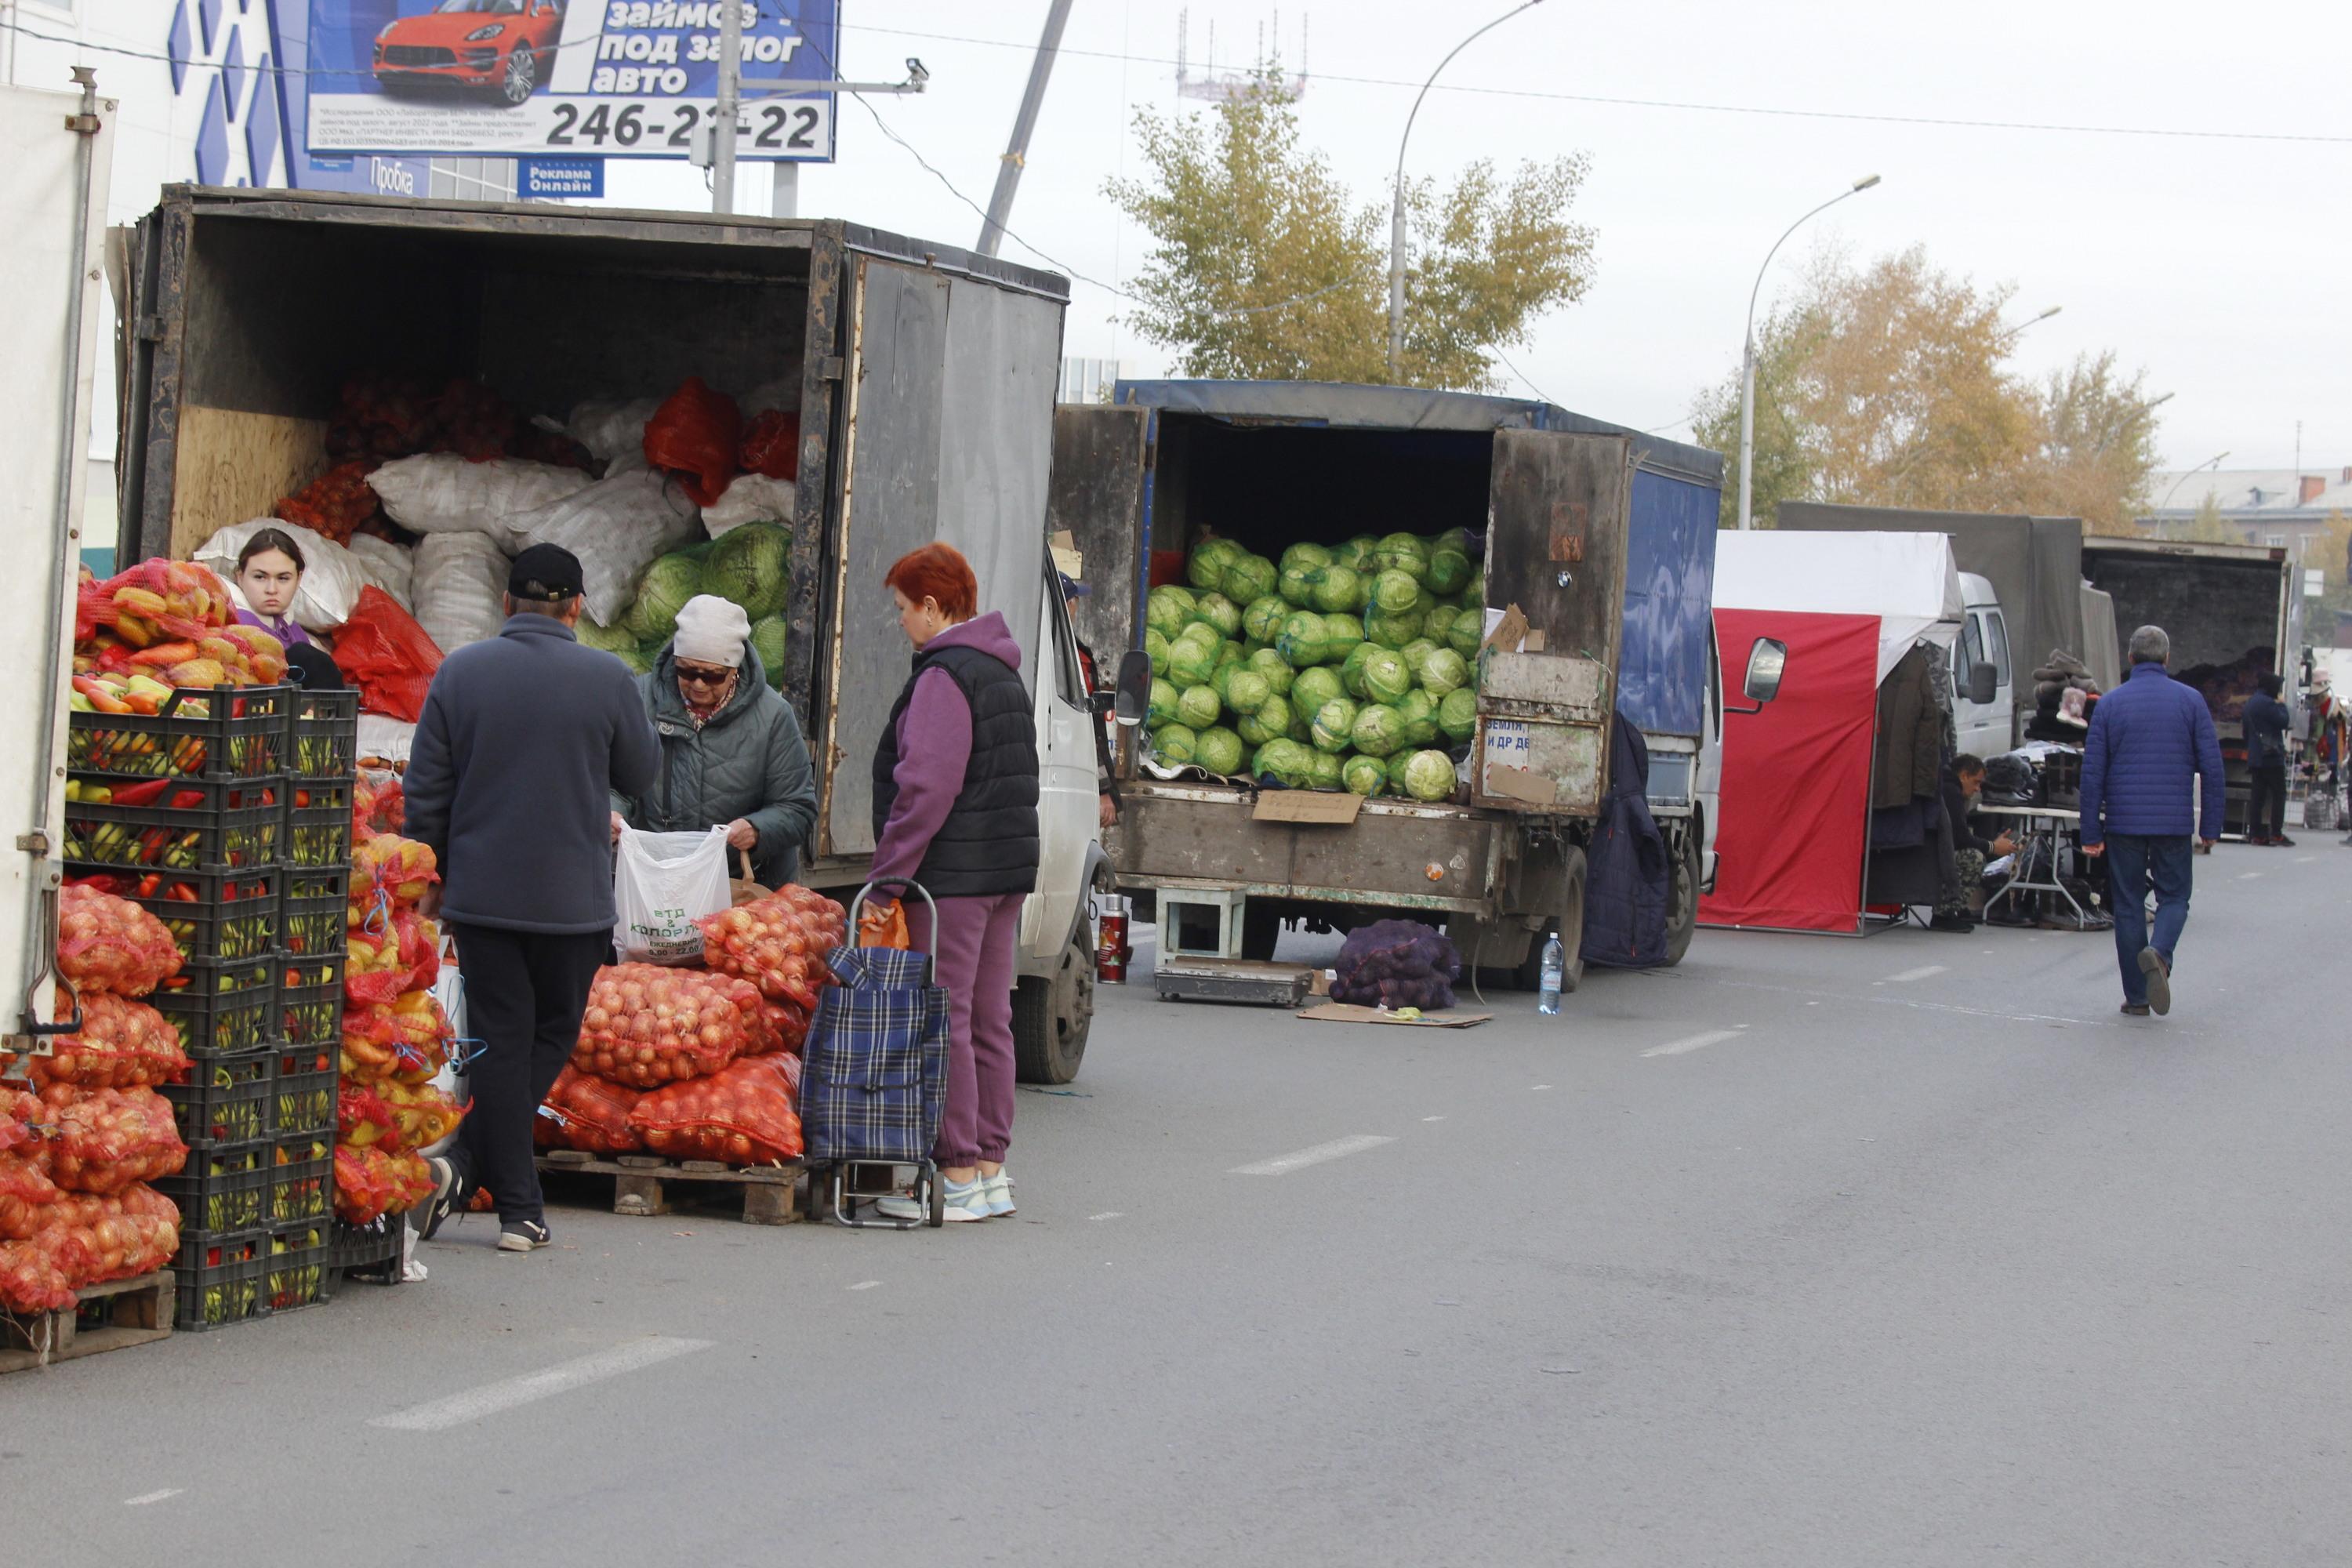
{"x":1008,"y":172}
{"x":729,"y":105}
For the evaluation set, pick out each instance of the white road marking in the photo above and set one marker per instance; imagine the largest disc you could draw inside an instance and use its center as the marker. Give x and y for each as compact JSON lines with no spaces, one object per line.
{"x":474,"y":1403}
{"x":1433,"y":1119}
{"x":1337,"y":1148}
{"x":1107,"y":1214}
{"x":2305,"y":859}
{"x":2248,"y":875}
{"x":1539,"y":1086}
{"x":866,"y":1284}
{"x":1922,"y":973}
{"x":1694,"y":1042}
{"x":143,"y":1498}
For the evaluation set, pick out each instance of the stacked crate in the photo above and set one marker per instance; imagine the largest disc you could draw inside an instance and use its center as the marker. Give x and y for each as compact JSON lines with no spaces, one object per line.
{"x":210,"y":853}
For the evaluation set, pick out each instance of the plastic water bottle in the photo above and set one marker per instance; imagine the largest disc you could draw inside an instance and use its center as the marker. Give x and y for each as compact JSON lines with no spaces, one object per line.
{"x":1555,"y":966}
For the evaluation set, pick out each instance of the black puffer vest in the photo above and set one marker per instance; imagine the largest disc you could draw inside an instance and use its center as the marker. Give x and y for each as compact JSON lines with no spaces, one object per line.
{"x":988,"y":842}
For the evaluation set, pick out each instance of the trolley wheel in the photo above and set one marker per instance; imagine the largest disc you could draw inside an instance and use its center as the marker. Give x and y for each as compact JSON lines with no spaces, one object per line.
{"x":938,"y":1191}
{"x":820,"y":1186}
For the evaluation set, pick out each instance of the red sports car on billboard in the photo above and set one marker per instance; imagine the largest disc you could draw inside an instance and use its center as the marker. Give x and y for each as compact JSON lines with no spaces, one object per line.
{"x":505,"y":46}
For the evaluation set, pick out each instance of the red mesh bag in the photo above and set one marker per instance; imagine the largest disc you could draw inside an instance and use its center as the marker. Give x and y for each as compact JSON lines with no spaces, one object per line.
{"x":336,"y":504}
{"x":96,"y":1239}
{"x":363,"y":1118}
{"x":743,"y":1114}
{"x":772,"y":444}
{"x":123,"y":1045}
{"x":389,"y":959}
{"x":31,"y":1277}
{"x":366,"y":1188}
{"x":778,"y":943}
{"x":589,"y":1114}
{"x":106,"y":944}
{"x":407,"y":1042}
{"x":157,"y":600}
{"x":105,"y":1139}
{"x":412,"y":1181}
{"x":26,"y":1190}
{"x":647,"y":1024}
{"x":787,"y":1026}
{"x":389,"y":873}
{"x":385,"y":653}
{"x":422,"y":1115}
{"x":694,"y":435}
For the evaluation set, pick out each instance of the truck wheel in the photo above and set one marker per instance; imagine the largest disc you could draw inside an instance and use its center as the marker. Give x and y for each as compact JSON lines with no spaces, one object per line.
{"x":1051,"y":1016}
{"x":1682,"y":911}
{"x":1571,"y":930}
{"x":1261,"y":933}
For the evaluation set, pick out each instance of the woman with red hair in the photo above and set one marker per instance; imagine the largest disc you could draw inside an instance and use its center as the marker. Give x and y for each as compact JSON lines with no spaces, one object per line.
{"x":955,"y":808}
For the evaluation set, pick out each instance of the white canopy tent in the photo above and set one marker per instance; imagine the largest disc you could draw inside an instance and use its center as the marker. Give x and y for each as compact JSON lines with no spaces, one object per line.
{"x":1907,"y":580}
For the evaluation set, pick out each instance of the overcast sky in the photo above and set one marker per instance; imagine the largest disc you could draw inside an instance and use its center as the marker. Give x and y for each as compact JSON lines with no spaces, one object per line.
{"x":2216,"y":264}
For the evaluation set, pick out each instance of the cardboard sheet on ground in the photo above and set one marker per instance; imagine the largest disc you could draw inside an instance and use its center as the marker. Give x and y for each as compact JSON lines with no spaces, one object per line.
{"x":1353,"y":1013}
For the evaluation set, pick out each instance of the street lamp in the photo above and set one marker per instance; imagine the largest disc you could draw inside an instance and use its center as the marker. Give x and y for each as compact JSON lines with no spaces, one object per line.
{"x":1747,"y":348}
{"x":1396,"y":212}
{"x":2183,"y":479}
{"x":2032,"y":321}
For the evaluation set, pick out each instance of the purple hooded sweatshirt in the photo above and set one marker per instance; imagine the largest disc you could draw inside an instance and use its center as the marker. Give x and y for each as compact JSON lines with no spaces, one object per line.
{"x":285,"y":631}
{"x":935,"y":747}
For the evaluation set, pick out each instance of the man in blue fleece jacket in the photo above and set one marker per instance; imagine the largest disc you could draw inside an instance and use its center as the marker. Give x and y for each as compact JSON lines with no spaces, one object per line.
{"x":522,"y":739}
{"x":2151,"y":743}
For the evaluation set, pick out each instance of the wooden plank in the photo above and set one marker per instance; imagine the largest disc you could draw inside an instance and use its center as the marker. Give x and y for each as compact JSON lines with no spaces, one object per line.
{"x":645,"y":1187}
{"x":233,"y":468}
{"x":138,"y":1311}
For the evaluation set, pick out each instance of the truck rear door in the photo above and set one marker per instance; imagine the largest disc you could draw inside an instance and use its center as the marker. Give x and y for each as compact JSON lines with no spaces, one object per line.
{"x":1557,"y":510}
{"x":52,"y":197}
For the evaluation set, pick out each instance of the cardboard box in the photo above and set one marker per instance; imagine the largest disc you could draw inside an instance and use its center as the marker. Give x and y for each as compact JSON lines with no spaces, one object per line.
{"x":1329,"y":808}
{"x":1354,"y":1013}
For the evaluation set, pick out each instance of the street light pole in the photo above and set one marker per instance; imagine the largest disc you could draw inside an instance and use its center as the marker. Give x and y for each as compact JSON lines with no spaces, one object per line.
{"x":1748,"y":351}
{"x":1396,"y":210}
{"x":2183,"y":479}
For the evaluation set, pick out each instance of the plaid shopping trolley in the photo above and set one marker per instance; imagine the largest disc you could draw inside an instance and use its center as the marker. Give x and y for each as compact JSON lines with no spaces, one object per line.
{"x":874,"y":1080}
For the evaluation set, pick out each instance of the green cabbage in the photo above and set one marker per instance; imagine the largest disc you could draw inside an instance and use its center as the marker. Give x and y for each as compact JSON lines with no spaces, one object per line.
{"x":1429,"y":776}
{"x":1435,"y":624}
{"x":1457,"y":714}
{"x":1387,"y":676}
{"x":1249,"y":578}
{"x":1364,"y":775}
{"x":1377,"y":730}
{"x":1216,"y":610}
{"x":1338,"y":588}
{"x":1419,"y":712}
{"x":1167,"y":609}
{"x":1469,"y":630}
{"x":1395,"y":592}
{"x":1442,"y":670}
{"x":1230,"y":652}
{"x":1164,"y":704}
{"x":1197,"y":707}
{"x":1286,"y":762}
{"x":1414,"y":652}
{"x":1271,"y":720}
{"x":616,"y":640}
{"x":751,"y":565}
{"x":1302,"y":639}
{"x":1278,"y":675}
{"x":1342,"y":631}
{"x":1393,"y":631}
{"x":1335,"y":723}
{"x":644,"y":657}
{"x":1155,"y":648}
{"x":1474,"y":592}
{"x":1449,"y":568}
{"x":1357,"y":553}
{"x":1296,"y":585}
{"x":1314,"y":688}
{"x":662,"y":593}
{"x":1305,"y":557}
{"x":1244,"y":689}
{"x":1302,"y":726}
{"x":1396,"y":764}
{"x":1191,"y":662}
{"x":1325,"y":770}
{"x":1206,"y":569}
{"x":1174,"y":744}
{"x":769,"y":640}
{"x":1219,"y":750}
{"x":1262,"y":622}
{"x":1403,"y":553}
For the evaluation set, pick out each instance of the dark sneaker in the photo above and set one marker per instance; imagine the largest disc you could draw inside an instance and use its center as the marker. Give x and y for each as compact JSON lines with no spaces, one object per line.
{"x":2283,"y":842}
{"x":2135,"y":1009}
{"x":448,"y":1195}
{"x":1959,"y":924}
{"x":523,"y":1235}
{"x":2159,"y":980}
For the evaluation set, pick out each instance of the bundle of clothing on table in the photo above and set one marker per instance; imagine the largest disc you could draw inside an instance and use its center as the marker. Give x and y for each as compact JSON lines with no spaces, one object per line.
{"x":2045,"y":773}
{"x":2064,"y":698}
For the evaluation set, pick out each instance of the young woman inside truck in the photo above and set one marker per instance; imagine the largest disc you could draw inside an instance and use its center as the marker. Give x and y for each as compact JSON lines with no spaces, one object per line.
{"x":269,"y":573}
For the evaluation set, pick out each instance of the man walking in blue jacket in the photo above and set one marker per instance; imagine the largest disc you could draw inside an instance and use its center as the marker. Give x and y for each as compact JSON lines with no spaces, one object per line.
{"x":2151,"y":741}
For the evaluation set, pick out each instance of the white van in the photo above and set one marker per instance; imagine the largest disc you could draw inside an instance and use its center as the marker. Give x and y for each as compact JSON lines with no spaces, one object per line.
{"x":1985,"y":710}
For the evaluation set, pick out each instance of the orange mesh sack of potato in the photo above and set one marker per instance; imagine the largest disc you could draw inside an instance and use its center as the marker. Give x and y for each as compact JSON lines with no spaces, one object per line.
{"x":122,"y":1043}
{"x":106,"y":944}
{"x":743,"y":1114}
{"x":648,"y":1025}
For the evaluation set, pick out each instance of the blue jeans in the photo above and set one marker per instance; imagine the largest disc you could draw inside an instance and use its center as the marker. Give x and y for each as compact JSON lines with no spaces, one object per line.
{"x":2135,"y":864}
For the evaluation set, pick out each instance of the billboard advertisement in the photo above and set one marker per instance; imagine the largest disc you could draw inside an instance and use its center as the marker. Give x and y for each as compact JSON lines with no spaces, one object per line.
{"x":562,"y":79}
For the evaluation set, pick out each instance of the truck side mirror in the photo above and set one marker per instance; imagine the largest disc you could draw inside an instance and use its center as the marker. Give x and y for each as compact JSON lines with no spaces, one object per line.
{"x":1984,"y":682}
{"x":1767,"y":660}
{"x":1134,"y":699}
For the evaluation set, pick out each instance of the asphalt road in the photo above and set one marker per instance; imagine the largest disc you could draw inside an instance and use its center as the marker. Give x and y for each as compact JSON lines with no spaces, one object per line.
{"x":1820,"y":1252}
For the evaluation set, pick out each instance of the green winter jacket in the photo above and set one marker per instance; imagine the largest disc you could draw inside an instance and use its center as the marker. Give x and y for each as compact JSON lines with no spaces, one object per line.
{"x":749,"y":761}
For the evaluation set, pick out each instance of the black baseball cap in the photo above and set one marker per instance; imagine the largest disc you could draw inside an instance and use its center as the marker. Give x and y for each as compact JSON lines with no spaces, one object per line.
{"x":1071,"y":587}
{"x":547,"y":574}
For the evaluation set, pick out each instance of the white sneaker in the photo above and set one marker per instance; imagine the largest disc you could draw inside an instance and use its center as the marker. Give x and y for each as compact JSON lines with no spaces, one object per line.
{"x":964,"y":1201}
{"x":1000,"y":1193}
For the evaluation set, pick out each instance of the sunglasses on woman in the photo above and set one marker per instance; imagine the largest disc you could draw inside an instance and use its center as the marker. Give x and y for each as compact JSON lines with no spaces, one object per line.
{"x":702,"y":675}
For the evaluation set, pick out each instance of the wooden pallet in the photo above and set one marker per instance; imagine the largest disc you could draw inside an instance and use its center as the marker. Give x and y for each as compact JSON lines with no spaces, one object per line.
{"x":134,"y":1312}
{"x":770,"y":1193}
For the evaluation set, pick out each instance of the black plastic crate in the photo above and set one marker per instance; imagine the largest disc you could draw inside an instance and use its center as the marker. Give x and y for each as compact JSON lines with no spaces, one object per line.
{"x":220,"y":1280}
{"x":315,"y":884}
{"x":306,"y":1089}
{"x":185,"y":740}
{"x":317,"y":926}
{"x":296,"y":1274}
{"x":226,"y":1099}
{"x":212,"y":1024}
{"x":215,"y":979}
{"x":225,"y":1190}
{"x":311,"y":999}
{"x":369,"y":1252}
{"x":218,"y":825}
{"x":302,"y":1178}
{"x":324,"y":743}
{"x":319,"y":823}
{"x":213,"y":916}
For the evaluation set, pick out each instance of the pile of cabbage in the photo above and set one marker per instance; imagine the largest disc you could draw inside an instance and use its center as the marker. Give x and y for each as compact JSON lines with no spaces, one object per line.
{"x":750,"y":565}
{"x":1343,"y":667}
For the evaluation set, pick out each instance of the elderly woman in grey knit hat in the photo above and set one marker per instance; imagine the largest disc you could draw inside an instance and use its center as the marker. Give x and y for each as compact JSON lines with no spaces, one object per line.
{"x":731,"y":748}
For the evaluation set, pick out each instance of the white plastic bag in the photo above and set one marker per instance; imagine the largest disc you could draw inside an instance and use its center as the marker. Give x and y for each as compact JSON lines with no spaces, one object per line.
{"x":332,"y":580}
{"x":663,"y":883}
{"x":387,"y":566}
{"x":613,"y":432}
{"x":441,"y":492}
{"x":617,"y":526}
{"x":460,"y":588}
{"x":750,"y":498}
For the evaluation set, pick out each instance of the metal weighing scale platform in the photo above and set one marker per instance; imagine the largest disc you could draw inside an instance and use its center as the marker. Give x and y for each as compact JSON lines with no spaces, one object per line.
{"x":1191,"y":977}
